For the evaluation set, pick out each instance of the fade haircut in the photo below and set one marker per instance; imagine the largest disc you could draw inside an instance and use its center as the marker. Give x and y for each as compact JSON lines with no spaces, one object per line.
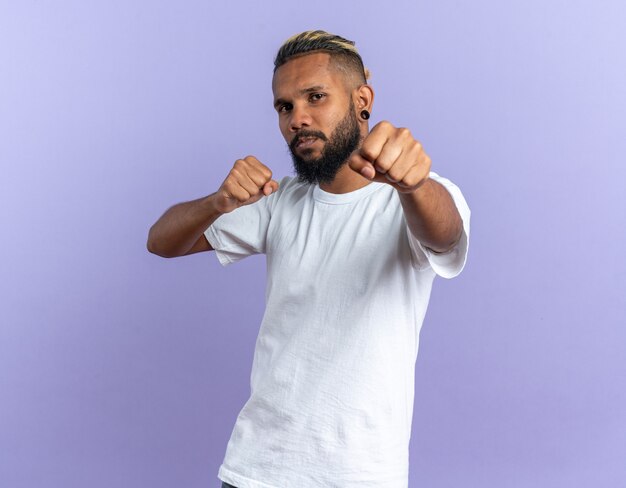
{"x":343,"y":53}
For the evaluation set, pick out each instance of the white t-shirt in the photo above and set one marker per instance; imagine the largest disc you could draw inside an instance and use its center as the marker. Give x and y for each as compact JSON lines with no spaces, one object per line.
{"x":331,"y":400}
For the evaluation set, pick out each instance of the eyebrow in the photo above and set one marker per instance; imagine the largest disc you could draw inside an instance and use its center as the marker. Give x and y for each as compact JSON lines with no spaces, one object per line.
{"x":304,"y":91}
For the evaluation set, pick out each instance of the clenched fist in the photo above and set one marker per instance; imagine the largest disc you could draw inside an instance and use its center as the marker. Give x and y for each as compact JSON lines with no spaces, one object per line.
{"x":391,"y":155}
{"x":247,"y":182}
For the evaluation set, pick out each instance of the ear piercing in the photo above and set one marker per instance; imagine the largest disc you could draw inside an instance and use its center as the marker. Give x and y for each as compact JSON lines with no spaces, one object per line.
{"x":365,"y":114}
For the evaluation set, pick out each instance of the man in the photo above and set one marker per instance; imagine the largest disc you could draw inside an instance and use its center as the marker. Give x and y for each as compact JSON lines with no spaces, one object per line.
{"x":353,"y":245}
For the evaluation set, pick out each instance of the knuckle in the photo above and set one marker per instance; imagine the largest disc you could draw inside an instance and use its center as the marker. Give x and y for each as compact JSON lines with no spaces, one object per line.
{"x":235,"y":172}
{"x":384,"y":164}
{"x":227,"y":186}
{"x":355,"y":163}
{"x":411,"y":180}
{"x":243,"y":195}
{"x":404,"y":132}
{"x":395,"y":174}
{"x":413,"y":152}
{"x":368,"y":153}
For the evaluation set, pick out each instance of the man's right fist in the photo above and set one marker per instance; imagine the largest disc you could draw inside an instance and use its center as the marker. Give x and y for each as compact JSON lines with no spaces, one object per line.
{"x":247,"y":182}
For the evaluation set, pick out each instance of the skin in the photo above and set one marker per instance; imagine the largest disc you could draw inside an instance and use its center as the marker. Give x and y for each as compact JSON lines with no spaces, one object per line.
{"x":311,"y":93}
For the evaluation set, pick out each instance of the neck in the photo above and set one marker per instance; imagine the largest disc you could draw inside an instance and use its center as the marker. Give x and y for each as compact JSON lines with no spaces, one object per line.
{"x":345,"y":181}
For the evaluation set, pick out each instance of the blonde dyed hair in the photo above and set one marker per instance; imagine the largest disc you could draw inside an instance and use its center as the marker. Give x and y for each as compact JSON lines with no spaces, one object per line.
{"x":342,"y":51}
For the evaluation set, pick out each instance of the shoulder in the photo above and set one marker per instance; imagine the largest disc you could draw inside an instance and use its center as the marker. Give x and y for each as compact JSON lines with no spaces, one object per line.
{"x":290,"y":189}
{"x":290,"y":183}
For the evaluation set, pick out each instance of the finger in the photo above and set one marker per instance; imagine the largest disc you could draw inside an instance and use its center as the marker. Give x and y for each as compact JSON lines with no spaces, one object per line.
{"x":417,"y":174}
{"x":408,"y":159}
{"x":257,"y":171}
{"x":252,"y":175}
{"x":423,"y":162}
{"x":259,"y":176}
{"x":373,"y":143}
{"x":248,"y":184}
{"x":361,"y":165}
{"x":366,"y":169}
{"x":389,"y":157}
{"x":252,"y":161}
{"x":414,"y":178}
{"x":235,"y":191}
{"x":413,"y":156}
{"x":270,"y":187}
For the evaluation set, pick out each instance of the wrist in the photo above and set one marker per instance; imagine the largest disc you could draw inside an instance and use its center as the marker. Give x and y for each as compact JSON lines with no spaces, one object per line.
{"x":421,"y":189}
{"x":210,"y":206}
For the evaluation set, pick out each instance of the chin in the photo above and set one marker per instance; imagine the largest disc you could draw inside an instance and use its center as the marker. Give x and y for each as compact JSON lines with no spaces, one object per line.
{"x":309,"y":153}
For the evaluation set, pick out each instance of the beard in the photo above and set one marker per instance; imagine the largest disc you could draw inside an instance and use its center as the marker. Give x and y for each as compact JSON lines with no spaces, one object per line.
{"x":342,"y":142}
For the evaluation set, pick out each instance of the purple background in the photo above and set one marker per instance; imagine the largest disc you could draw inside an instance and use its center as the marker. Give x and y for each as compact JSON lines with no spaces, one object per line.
{"x":122,"y":369}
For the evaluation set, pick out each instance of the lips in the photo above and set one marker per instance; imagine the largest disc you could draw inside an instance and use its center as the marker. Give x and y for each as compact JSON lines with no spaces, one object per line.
{"x":303,"y":142}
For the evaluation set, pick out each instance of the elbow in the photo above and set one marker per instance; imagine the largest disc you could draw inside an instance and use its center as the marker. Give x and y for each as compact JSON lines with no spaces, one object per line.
{"x":153,"y":247}
{"x":158,"y":252}
{"x":447,"y":246}
{"x":150,"y":244}
{"x":443,"y":249}
{"x":446,"y":243}
{"x":150,"y":247}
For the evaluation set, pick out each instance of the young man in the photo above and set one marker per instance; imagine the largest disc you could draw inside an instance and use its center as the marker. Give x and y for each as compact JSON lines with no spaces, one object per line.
{"x":353,"y":245}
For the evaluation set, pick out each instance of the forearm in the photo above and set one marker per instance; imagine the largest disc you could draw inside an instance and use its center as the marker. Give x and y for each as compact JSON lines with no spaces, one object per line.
{"x":181,"y":226}
{"x":432,"y":216}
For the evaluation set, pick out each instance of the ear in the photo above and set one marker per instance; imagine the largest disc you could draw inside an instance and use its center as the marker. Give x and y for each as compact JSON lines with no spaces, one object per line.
{"x":363,"y":98}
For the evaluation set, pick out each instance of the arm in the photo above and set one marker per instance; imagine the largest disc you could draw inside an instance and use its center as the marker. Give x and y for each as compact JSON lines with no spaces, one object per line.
{"x":391,"y":155}
{"x":432,"y":216}
{"x":180,"y":230}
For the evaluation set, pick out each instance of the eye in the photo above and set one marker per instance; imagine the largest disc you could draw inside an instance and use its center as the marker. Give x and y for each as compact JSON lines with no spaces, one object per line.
{"x":316,"y":97}
{"x":283,"y":107}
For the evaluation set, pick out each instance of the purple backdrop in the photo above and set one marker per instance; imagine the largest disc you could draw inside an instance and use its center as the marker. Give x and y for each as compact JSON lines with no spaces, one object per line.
{"x":122,"y":369}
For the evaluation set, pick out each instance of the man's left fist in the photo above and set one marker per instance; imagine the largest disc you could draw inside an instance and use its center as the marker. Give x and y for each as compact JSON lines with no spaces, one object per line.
{"x":391,"y":155}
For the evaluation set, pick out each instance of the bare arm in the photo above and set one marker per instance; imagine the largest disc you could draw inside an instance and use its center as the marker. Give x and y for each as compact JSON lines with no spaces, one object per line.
{"x":392,"y":155}
{"x":180,"y":230}
{"x":432,"y":216}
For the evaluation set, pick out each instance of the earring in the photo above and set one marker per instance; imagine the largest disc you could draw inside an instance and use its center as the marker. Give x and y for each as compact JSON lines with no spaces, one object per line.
{"x":365,"y":114}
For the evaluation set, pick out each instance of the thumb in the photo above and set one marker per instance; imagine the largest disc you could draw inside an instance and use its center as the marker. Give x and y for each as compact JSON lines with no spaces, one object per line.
{"x":362,"y":166}
{"x":270,"y":187}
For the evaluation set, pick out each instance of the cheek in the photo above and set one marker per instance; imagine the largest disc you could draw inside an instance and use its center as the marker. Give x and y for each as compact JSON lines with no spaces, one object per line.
{"x":283,"y":127}
{"x":334,"y":122}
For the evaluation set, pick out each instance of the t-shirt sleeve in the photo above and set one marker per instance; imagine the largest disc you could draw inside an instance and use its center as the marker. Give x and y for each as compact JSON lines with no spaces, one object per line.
{"x":452,"y":262}
{"x":242,"y":232}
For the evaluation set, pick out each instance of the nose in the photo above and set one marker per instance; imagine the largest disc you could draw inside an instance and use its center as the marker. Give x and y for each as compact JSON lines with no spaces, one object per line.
{"x":299,"y":118}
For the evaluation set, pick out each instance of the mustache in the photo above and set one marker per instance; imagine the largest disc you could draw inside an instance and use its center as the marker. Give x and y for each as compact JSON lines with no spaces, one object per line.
{"x":306,"y":133}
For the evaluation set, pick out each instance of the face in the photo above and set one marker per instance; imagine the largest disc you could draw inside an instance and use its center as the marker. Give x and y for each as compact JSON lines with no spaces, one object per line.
{"x":316,"y":116}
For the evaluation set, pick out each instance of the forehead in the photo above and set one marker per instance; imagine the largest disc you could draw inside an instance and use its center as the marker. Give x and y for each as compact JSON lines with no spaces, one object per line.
{"x":304,"y":71}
